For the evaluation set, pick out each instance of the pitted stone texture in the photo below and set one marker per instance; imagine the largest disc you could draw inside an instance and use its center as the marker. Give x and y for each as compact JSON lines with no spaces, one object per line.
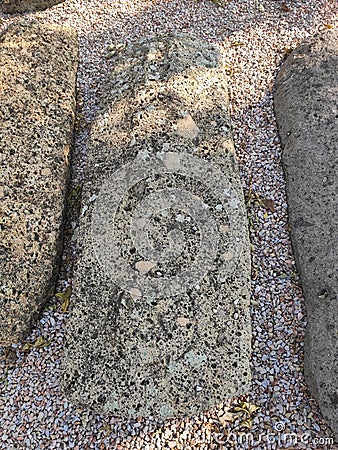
{"x":306,"y":105}
{"x":37,"y":106}
{"x":161,"y":144}
{"x":22,"y":6}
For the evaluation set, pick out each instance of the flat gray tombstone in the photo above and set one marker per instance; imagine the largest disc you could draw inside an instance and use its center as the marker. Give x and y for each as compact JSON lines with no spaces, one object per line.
{"x":306,"y":105}
{"x":161,"y":324}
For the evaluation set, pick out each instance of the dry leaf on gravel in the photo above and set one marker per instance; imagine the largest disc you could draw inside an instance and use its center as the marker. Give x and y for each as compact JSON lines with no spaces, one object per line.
{"x":247,"y":423}
{"x":65,"y":297}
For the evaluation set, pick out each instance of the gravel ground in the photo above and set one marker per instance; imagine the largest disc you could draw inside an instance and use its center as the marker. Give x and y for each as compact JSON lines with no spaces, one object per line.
{"x":254,"y":37}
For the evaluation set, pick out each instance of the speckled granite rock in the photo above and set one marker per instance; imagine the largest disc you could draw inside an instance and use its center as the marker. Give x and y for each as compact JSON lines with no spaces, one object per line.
{"x":37,"y":105}
{"x":161,"y":321}
{"x":306,"y":105}
{"x":21,"y":6}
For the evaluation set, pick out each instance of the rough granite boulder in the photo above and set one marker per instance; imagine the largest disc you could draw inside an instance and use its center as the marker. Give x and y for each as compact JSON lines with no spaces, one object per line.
{"x":306,"y":106}
{"x":161,"y":324}
{"x":22,"y":6}
{"x":37,"y":108}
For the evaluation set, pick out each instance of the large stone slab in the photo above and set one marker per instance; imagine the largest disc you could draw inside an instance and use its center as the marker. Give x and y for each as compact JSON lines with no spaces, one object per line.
{"x":306,"y":105}
{"x":161,"y":322}
{"x":37,"y":107}
{"x":22,"y":6}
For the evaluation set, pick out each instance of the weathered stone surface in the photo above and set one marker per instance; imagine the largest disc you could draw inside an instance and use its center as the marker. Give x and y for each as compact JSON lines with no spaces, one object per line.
{"x":306,"y":105}
{"x":21,"y":6}
{"x":37,"y":106}
{"x":161,"y":322}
